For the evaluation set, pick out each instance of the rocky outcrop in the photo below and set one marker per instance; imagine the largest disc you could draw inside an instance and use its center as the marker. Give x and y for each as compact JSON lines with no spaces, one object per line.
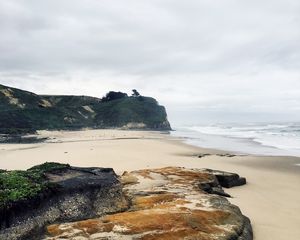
{"x":75,"y":194}
{"x":93,"y":203}
{"x":167,"y":203}
{"x":17,"y":138}
{"x":227,"y":179}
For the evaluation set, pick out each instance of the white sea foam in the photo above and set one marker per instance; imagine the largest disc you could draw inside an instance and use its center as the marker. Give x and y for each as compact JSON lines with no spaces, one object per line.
{"x":274,"y":139}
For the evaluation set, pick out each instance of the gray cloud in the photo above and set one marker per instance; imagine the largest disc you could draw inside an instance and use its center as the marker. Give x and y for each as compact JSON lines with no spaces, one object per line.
{"x":210,"y":56}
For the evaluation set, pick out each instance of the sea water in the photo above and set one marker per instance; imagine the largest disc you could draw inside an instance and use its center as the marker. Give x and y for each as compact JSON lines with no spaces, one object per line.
{"x":253,"y":138}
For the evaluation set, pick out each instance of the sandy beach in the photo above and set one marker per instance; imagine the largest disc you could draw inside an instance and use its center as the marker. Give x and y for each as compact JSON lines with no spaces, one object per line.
{"x":271,"y":199}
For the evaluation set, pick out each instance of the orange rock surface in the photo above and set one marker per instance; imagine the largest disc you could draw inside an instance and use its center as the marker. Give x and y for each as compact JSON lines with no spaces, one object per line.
{"x":164,"y":204}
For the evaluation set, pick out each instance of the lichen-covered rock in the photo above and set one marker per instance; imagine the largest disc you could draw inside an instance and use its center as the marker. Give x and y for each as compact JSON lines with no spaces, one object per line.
{"x":65,"y":193}
{"x":168,"y":203}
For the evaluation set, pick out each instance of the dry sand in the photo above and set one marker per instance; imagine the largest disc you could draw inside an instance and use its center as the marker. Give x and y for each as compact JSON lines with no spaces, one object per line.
{"x":271,"y":198}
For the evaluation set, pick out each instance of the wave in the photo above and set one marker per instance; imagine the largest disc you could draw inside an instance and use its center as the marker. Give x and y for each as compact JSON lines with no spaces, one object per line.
{"x":285,"y":136}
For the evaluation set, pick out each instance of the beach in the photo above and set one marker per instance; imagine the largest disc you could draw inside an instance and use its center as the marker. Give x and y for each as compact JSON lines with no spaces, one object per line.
{"x":270,"y":198}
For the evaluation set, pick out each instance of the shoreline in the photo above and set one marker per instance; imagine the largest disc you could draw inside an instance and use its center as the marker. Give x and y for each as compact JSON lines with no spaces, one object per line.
{"x":270,"y":198}
{"x":248,"y":145}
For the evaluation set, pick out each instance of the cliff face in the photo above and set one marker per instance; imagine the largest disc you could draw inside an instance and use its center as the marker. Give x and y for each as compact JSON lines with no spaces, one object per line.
{"x":23,"y":112}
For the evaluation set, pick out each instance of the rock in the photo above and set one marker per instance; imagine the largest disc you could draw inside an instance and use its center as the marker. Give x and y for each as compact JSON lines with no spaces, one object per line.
{"x":213,"y":190}
{"x":166,"y":203}
{"x":203,"y":155}
{"x":227,"y":179}
{"x":79,"y":193}
{"x":226,"y":155}
{"x":219,"y":155}
{"x":21,"y":138}
{"x":213,"y":187}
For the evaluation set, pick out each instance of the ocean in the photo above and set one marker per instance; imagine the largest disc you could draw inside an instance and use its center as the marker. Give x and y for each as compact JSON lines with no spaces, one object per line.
{"x":275,"y":139}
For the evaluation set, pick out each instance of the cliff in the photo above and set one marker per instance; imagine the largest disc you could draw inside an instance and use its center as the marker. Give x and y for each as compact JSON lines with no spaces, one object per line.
{"x":25,"y":112}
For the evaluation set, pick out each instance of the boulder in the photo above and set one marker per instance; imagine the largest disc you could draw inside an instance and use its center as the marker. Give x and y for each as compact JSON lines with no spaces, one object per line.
{"x":74,"y":194}
{"x":227,"y":179}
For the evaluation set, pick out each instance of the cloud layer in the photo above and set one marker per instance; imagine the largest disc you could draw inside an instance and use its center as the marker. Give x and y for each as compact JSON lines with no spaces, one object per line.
{"x":227,"y":60}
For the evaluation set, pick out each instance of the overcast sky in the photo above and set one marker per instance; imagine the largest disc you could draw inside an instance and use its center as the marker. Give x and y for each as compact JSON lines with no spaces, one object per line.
{"x":221,"y":60}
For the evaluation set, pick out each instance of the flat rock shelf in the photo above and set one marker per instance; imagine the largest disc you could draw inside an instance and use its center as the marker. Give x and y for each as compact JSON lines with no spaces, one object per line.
{"x":167,"y":203}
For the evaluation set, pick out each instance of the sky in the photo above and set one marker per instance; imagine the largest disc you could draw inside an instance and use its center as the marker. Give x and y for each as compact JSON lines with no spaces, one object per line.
{"x":206,"y":61}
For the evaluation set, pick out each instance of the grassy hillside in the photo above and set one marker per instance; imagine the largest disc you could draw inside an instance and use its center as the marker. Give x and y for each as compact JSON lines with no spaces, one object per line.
{"x":22,"y":112}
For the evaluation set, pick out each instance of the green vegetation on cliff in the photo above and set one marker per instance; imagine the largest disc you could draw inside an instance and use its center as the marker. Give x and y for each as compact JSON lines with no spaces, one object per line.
{"x":120,"y":112}
{"x":24,"y":112}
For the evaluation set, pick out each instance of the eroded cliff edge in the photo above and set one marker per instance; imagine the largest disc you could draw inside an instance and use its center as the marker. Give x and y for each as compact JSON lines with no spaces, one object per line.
{"x":93,"y":203}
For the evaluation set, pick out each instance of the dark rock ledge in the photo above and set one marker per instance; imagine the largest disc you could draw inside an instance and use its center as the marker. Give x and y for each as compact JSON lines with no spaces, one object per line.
{"x":227,"y":179}
{"x":71,"y":194}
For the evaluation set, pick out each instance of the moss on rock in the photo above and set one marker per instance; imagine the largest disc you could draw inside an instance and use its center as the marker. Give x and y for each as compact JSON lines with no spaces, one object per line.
{"x":23,"y":185}
{"x":49,"y":167}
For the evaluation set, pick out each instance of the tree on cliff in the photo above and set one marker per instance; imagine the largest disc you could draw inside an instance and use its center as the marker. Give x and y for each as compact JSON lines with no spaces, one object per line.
{"x":113,"y":96}
{"x":135,"y":93}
